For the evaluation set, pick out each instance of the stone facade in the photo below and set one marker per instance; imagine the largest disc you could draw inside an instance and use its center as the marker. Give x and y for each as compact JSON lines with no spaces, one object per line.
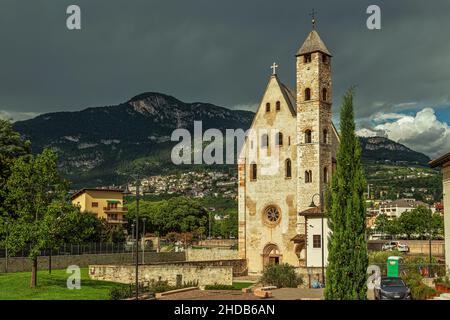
{"x":175,"y":274}
{"x":273,"y":188}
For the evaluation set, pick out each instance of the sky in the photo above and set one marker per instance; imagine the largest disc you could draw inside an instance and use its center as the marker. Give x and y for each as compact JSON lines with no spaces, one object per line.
{"x":221,"y":51}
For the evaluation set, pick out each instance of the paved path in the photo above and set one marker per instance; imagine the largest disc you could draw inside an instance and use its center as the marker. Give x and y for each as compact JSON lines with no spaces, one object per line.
{"x":297,"y":294}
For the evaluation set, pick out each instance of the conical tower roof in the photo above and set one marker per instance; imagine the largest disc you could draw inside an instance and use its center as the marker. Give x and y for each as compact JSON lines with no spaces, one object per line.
{"x":313,"y":43}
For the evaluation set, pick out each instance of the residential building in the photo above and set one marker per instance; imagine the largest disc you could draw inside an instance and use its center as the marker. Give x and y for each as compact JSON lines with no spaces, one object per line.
{"x":104,"y":203}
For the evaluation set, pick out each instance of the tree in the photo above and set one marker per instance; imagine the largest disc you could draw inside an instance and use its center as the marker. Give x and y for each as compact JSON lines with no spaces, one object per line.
{"x":37,"y":202}
{"x":12,"y":146}
{"x":346,"y":274}
{"x":419,"y":222}
{"x":381,"y":223}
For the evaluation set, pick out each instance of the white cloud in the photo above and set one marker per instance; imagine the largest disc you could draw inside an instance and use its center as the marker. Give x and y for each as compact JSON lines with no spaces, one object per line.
{"x":366,"y":133}
{"x":422,"y":132}
{"x":247,"y":107}
{"x":16,"y":116}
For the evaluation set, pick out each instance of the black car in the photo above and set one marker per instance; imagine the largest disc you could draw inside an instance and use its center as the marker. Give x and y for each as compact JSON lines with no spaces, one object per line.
{"x":392,"y":288}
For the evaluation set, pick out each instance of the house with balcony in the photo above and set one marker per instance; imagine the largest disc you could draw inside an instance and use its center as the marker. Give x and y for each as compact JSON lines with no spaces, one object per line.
{"x":104,"y":203}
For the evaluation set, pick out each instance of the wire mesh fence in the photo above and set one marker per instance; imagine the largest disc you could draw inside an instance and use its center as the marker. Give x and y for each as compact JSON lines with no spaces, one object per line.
{"x":80,"y":249}
{"x":424,"y":269}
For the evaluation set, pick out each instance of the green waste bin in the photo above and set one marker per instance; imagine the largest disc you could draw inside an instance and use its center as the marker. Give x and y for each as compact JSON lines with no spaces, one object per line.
{"x":393,"y":266}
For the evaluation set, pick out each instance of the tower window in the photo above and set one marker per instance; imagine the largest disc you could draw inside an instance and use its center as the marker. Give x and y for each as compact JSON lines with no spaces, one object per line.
{"x":308,"y":136}
{"x":289,"y":140}
{"x":307,"y":94}
{"x":308,"y":176}
{"x":279,"y":139}
{"x":324,"y":94}
{"x":288,"y":168}
{"x":325,"y":175}
{"x":264,"y":141}
{"x":325,"y":136}
{"x":278,"y":106}
{"x":267,"y":107}
{"x":307,"y":58}
{"x":253,"y":171}
{"x":324,"y":58}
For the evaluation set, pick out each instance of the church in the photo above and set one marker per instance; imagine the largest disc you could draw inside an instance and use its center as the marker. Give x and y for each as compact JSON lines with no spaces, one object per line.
{"x":285,"y":166}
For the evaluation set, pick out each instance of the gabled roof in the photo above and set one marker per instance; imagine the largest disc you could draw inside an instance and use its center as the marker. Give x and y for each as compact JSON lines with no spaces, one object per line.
{"x":80,"y":192}
{"x":440,"y":161}
{"x":289,"y":96}
{"x":313,"y":43}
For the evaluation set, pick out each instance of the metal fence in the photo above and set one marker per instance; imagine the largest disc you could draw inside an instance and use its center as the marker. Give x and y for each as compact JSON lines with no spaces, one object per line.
{"x":79,"y":249}
{"x":437,"y":269}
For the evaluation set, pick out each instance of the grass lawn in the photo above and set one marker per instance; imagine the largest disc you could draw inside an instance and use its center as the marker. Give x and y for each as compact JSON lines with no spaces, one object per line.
{"x":241,"y":285}
{"x":15,"y":286}
{"x":234,"y":286}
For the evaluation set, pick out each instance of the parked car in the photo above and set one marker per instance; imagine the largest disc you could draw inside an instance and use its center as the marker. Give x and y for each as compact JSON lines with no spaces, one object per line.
{"x":392,"y":288}
{"x":403,"y":248}
{"x":395,"y":245}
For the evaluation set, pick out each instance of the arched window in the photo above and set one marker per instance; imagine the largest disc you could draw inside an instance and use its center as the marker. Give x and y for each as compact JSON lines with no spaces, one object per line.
{"x":288,"y":168}
{"x":278,"y":106}
{"x":267,"y":107}
{"x":264,"y":141}
{"x":325,"y":136}
{"x":279,"y":139}
{"x":308,"y":176}
{"x":253,"y":171}
{"x":289,"y":140}
{"x":308,"y":136}
{"x":324,"y":94}
{"x":325,"y":175}
{"x":307,"y":94}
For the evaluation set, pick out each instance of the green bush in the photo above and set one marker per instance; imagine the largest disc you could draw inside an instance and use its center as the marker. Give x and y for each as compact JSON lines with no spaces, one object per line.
{"x":281,"y":276}
{"x":119,"y":293}
{"x":419,"y":290}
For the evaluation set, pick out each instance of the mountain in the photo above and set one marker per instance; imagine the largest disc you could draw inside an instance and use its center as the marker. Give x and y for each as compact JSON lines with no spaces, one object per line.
{"x":104,"y":145}
{"x":382,"y":149}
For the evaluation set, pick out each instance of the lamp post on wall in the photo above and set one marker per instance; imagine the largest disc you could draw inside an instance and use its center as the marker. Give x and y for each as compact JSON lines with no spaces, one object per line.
{"x":322,"y":243}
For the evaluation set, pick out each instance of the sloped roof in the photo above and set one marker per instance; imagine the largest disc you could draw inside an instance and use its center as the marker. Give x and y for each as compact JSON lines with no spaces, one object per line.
{"x":312,"y":44}
{"x":289,"y":96}
{"x":440,"y":161}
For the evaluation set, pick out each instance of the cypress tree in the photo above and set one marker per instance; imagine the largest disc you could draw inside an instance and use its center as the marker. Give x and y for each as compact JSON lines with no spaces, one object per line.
{"x":346,"y":274}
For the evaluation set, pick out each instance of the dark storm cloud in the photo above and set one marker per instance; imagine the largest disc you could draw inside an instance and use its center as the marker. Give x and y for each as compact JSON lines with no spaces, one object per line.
{"x":216,"y":51}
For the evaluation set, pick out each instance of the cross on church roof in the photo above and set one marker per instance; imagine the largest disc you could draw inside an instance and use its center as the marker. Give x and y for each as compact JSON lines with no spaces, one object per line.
{"x":274,"y":68}
{"x":313,"y":16}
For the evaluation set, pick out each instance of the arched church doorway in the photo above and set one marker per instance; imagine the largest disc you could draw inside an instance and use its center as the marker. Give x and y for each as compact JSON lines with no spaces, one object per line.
{"x":271,"y":254}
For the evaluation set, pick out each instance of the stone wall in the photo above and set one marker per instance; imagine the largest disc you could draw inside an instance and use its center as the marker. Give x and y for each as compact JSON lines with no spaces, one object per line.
{"x":62,"y":262}
{"x":415,"y":246}
{"x":211,"y":254}
{"x":218,"y":242}
{"x":173,"y":273}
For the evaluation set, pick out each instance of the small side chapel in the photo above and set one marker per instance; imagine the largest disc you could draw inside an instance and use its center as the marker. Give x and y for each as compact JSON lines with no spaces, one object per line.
{"x":285,"y":165}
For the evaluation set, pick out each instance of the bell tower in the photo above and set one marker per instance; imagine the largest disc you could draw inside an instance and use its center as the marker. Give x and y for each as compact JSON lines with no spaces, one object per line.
{"x":314,"y":126}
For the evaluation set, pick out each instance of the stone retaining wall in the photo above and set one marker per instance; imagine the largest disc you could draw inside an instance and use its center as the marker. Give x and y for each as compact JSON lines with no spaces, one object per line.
{"x":211,"y":254}
{"x":62,"y":262}
{"x":173,"y":273}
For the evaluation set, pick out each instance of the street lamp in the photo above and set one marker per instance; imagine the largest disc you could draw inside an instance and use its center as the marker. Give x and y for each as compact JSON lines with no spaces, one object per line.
{"x":143,"y":239}
{"x":138,"y":195}
{"x":322,"y":244}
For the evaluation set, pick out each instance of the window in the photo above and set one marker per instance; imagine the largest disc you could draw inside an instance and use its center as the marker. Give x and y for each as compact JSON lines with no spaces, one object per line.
{"x":324,"y":94}
{"x":289,"y":140}
{"x":308,"y":136}
{"x":307,"y":58}
{"x":271,"y":215}
{"x":324,"y":58}
{"x":325,"y":136}
{"x":253,"y":171}
{"x":94,"y":204}
{"x":308,"y":176}
{"x":325,"y":175}
{"x":307,"y":94}
{"x":288,"y":168}
{"x":264,"y":141}
{"x":317,"y":241}
{"x":278,"y":106}
{"x":279,"y":139}
{"x":267,"y":107}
